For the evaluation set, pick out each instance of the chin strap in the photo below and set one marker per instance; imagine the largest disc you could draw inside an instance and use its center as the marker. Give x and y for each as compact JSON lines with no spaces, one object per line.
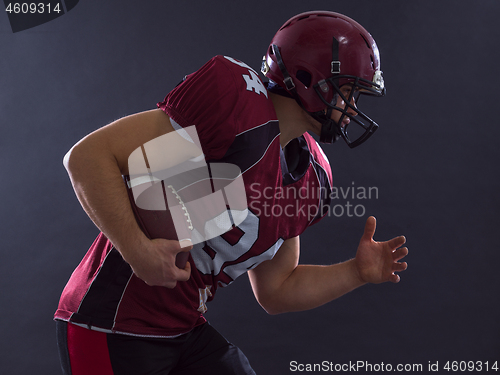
{"x":330,"y":130}
{"x":287,"y":79}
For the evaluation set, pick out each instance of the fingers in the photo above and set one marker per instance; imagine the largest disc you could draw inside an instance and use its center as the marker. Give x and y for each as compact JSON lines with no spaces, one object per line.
{"x":385,"y":250}
{"x":394,"y":278}
{"x":396,"y":242}
{"x":177,"y":275}
{"x":398,"y":267}
{"x":369,"y":232}
{"x":186,"y":245}
{"x":185,"y":273}
{"x":160,"y":268}
{"x":370,"y":226}
{"x":399,"y":253}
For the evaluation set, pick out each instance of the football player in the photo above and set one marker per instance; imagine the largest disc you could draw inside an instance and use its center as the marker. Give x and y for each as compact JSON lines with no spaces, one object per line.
{"x":127,"y":308}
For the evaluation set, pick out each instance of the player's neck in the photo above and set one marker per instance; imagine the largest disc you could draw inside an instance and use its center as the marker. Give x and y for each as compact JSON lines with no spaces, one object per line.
{"x":290,"y":116}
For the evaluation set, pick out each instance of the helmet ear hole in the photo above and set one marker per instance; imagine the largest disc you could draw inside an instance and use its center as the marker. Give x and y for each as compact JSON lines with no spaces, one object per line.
{"x":304,"y":77}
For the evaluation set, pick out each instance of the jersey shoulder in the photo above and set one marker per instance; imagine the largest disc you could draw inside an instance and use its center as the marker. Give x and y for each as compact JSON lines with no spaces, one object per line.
{"x":223,"y":98}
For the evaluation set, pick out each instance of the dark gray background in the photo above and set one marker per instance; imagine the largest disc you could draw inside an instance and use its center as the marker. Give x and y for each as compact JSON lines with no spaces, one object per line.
{"x":434,"y":162}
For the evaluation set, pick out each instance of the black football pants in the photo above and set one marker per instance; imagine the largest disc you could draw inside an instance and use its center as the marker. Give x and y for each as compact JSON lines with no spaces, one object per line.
{"x":201,"y":351}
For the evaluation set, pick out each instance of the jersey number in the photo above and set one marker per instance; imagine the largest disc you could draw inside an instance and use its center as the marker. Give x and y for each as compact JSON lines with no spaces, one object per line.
{"x":252,"y":79}
{"x":225,"y":252}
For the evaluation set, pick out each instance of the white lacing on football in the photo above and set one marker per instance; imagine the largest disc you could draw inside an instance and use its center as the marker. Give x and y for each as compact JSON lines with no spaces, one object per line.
{"x":186,"y":213}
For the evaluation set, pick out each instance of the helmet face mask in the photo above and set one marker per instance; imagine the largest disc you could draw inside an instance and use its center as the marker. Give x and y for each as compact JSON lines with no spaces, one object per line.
{"x":314,"y":55}
{"x":360,"y":127}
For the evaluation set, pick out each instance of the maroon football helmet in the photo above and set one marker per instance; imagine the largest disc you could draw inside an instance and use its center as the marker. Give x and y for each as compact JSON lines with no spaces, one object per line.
{"x":312,"y":56}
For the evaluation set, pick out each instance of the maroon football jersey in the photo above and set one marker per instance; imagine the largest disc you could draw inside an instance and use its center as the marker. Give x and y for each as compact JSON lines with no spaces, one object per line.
{"x":236,"y":123}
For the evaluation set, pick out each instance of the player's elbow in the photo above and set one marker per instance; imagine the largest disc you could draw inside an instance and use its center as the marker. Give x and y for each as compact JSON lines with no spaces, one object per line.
{"x":271,"y":305}
{"x":73,"y":157}
{"x":66,"y":159}
{"x":272,"y":311}
{"x":81,"y":154}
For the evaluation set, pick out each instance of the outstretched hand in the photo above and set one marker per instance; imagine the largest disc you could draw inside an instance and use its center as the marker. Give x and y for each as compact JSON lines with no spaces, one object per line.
{"x":377,"y":262}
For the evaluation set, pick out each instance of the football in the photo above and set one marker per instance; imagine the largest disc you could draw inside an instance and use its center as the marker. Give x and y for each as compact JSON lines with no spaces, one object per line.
{"x":196,"y":204}
{"x":155,"y":215}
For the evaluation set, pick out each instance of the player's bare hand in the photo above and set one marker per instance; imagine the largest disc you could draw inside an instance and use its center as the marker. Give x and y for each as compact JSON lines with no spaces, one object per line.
{"x":377,"y":262}
{"x":155,"y":264}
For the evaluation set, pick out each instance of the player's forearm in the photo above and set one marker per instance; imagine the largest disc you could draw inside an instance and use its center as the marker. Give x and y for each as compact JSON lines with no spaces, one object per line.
{"x":310,"y":286}
{"x":99,"y":186}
